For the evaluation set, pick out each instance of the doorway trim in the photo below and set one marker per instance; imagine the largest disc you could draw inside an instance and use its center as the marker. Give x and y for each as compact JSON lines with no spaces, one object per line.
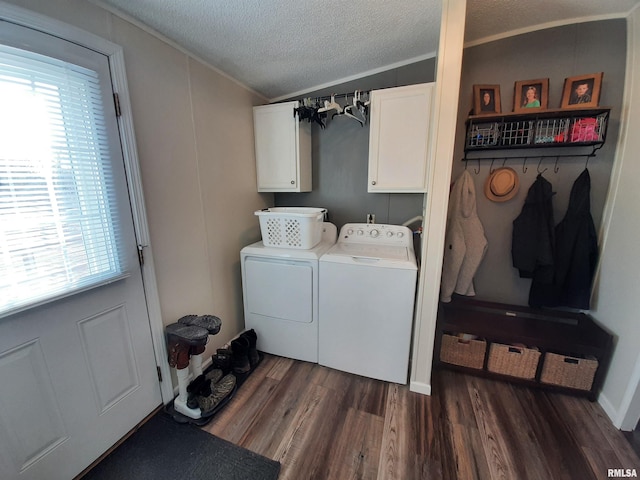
{"x":36,"y":21}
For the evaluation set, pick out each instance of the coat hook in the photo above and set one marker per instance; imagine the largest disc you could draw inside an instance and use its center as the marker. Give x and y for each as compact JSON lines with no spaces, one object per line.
{"x":586,"y":163}
{"x":504,"y":162}
{"x":466,"y":162}
{"x":556,"y":168}
{"x":491,"y":167}
{"x":524,"y":162}
{"x":478,"y":170}
{"x":539,"y":163}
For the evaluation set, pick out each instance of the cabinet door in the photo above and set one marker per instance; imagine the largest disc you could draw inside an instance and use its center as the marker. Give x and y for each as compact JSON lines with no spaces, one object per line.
{"x":283,"y":149}
{"x":398,"y":139}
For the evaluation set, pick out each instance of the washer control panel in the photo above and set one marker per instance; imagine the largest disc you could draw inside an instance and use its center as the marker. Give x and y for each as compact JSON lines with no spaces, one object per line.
{"x":376,"y":234}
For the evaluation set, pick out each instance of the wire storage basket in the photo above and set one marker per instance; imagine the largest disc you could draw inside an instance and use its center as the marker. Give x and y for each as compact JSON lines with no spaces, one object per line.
{"x":588,"y":129}
{"x":517,"y":133}
{"x":552,"y":130}
{"x":291,"y":227}
{"x":483,"y":135}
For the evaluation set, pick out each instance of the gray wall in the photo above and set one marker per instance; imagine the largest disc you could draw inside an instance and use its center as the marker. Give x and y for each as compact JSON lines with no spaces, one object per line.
{"x":555,"y":53}
{"x":340,"y":159}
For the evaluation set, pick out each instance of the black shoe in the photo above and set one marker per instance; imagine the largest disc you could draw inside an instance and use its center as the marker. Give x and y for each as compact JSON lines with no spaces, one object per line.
{"x":222,"y":360}
{"x":252,"y":338}
{"x":240,"y":355}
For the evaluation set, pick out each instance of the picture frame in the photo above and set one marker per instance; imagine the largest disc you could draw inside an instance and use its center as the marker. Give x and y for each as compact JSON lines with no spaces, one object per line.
{"x":530,"y":95}
{"x":582,"y":91}
{"x":486,"y":99}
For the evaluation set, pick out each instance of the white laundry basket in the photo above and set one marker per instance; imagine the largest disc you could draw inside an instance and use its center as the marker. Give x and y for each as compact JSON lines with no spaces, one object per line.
{"x":291,"y":227}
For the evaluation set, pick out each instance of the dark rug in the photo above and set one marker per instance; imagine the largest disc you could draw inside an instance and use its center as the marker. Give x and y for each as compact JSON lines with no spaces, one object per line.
{"x":163,"y":449}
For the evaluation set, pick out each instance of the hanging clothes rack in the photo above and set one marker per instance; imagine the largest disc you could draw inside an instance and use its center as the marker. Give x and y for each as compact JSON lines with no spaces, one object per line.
{"x":594,"y":150}
{"x":316,"y":109}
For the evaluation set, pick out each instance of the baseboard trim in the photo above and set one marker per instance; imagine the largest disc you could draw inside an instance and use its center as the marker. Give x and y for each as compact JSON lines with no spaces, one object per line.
{"x":420,"y":387}
{"x":610,"y":410}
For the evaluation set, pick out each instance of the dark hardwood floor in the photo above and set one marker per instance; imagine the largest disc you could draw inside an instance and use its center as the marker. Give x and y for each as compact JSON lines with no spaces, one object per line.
{"x":325,"y":424}
{"x":634,"y":438}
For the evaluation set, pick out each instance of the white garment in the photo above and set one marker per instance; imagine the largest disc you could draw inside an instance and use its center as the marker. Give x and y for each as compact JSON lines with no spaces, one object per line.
{"x":465,"y":243}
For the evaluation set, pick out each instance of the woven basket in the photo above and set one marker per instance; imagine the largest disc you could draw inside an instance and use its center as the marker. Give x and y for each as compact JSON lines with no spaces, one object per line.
{"x":466,"y":353}
{"x":568,"y":371}
{"x":514,"y":361}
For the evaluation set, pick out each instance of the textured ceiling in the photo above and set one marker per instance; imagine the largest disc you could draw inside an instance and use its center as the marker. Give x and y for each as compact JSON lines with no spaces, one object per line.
{"x":285,"y":47}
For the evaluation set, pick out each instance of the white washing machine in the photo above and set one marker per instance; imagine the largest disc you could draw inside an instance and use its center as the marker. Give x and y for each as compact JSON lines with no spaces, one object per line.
{"x":280,"y":288}
{"x":367,"y":291}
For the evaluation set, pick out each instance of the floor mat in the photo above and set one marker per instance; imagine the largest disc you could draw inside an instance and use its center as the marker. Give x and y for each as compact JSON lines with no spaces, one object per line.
{"x":163,"y":449}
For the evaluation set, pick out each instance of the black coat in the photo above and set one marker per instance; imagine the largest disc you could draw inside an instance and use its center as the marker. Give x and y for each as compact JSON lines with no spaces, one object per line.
{"x":576,"y":248}
{"x":533,"y":243}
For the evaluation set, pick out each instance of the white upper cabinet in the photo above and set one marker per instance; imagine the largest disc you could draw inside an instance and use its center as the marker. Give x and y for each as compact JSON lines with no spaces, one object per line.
{"x":398,"y":139}
{"x":283,"y":149}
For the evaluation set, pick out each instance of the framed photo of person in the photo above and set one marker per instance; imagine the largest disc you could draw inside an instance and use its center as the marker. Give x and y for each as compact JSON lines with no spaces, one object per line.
{"x":486,"y":99}
{"x":531,"y":95}
{"x":582,"y":91}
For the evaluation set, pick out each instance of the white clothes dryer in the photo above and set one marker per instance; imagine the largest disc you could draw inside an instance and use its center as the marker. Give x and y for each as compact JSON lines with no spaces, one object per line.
{"x":280,"y":289}
{"x":367,"y":290}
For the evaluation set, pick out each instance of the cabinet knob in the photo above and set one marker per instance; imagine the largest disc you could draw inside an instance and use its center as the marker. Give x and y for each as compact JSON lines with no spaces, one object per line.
{"x":373,"y":182}
{"x":293,"y":182}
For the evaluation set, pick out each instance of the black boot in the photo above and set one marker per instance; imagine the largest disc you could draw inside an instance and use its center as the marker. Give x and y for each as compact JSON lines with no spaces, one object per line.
{"x":222,"y":360}
{"x":252,"y":338}
{"x":240,"y":355}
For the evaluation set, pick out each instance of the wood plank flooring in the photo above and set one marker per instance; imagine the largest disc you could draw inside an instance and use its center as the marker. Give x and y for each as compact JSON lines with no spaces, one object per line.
{"x":326,"y":424}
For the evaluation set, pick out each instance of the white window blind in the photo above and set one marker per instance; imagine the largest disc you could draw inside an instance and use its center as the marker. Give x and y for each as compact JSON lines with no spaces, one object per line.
{"x":58,"y":220}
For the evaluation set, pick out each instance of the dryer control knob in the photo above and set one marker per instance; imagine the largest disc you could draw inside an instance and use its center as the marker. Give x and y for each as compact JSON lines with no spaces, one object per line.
{"x":350,"y":231}
{"x":389,"y":234}
{"x":400,"y":234}
{"x":360,"y":232}
{"x":375,"y":233}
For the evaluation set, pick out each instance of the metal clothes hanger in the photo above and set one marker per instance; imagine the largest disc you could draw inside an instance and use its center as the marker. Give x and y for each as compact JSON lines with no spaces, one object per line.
{"x":347,"y":112}
{"x":331,"y":105}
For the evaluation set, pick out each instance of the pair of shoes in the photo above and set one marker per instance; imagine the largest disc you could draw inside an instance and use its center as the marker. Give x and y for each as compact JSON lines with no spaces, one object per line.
{"x":201,"y":386}
{"x":211,"y":323}
{"x":219,"y":390}
{"x":244,"y":353}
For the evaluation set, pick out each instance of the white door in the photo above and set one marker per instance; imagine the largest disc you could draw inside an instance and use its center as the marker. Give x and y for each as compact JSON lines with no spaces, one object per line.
{"x":77,"y":367}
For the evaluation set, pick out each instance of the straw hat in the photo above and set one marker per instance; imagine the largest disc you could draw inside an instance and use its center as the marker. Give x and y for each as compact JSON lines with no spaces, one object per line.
{"x":502,"y":184}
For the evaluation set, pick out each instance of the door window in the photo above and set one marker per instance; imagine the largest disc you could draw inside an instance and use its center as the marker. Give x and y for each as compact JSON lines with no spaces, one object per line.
{"x":58,"y":212}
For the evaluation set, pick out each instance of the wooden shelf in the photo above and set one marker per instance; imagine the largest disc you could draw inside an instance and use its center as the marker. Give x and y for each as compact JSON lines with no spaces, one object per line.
{"x":540,"y":129}
{"x":565,"y":333}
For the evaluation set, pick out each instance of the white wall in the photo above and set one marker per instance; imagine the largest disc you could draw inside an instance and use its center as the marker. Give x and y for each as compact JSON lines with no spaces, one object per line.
{"x":442,"y":134}
{"x":617,"y":292}
{"x":194,"y":131}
